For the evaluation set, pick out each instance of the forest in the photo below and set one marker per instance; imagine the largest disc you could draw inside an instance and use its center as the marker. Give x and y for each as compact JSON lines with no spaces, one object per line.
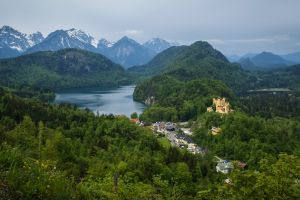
{"x":63,"y":69}
{"x":62,"y":152}
{"x":51,"y":151}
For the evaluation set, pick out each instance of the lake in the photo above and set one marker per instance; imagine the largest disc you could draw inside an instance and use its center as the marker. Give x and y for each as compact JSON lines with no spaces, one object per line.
{"x":111,"y":101}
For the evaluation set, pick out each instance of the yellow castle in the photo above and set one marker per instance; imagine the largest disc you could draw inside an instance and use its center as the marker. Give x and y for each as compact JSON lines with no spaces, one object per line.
{"x":222,"y":106}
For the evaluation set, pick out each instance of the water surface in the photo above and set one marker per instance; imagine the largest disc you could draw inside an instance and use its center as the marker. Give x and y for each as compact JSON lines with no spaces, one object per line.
{"x":110,"y":101}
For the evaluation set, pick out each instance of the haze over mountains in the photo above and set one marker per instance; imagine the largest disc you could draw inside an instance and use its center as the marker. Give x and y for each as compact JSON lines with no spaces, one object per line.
{"x":126,"y":51}
{"x":265,"y":60}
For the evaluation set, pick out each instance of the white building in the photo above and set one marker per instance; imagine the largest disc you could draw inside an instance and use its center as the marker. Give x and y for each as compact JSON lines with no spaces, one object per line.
{"x":224,"y":167}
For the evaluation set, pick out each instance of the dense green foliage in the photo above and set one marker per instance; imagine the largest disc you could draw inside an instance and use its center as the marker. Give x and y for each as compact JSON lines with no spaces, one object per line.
{"x":200,"y":60}
{"x":176,"y":100}
{"x":249,"y":139}
{"x":44,"y":95}
{"x":280,"y":78}
{"x":60,"y":152}
{"x":269,"y":105}
{"x":68,"y":68}
{"x":273,"y":180}
{"x":263,"y":125}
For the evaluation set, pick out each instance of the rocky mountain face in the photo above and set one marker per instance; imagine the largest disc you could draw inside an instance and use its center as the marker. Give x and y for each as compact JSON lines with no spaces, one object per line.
{"x":14,"y":43}
{"x":62,"y":39}
{"x":158,"y":45}
{"x":126,"y":51}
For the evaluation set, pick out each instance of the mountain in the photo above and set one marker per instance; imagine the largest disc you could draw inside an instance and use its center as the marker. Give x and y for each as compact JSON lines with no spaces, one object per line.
{"x":13,"y":42}
{"x":269,"y":60}
{"x":61,"y":39}
{"x":264,"y":60}
{"x":186,"y":63}
{"x":247,"y":64}
{"x":104,"y":44}
{"x":156,"y":44}
{"x":67,"y":68}
{"x":249,"y":55}
{"x":233,"y":58}
{"x":236,"y":58}
{"x":293,"y":57}
{"x":179,"y":57}
{"x":126,"y":52}
{"x":184,"y":81}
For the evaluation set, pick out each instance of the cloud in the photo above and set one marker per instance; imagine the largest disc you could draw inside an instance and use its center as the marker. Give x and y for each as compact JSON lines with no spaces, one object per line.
{"x":133,"y":32}
{"x":269,"y":40}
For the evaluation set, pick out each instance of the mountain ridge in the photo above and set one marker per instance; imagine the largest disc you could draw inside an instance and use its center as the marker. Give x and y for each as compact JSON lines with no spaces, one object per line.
{"x":66,"y":68}
{"x":14,"y":43}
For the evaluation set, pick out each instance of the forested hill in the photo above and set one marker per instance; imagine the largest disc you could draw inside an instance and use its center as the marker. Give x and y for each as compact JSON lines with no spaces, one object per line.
{"x":68,"y":68}
{"x":177,"y":100}
{"x":165,"y":60}
{"x":199,"y":60}
{"x":60,"y":152}
{"x":281,"y":78}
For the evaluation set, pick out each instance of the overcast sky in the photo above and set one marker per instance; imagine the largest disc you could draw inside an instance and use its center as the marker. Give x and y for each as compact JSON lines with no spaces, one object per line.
{"x":232,"y":26}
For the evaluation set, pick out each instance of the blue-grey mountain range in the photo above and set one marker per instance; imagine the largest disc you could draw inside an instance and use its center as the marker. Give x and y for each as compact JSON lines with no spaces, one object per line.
{"x":126,"y":51}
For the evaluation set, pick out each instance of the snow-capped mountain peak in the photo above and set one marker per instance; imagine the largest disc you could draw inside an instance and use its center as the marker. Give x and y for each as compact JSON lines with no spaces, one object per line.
{"x":157,"y":44}
{"x":80,"y":35}
{"x":15,"y":42}
{"x":35,"y":38}
{"x":105,"y":43}
{"x":61,"y":39}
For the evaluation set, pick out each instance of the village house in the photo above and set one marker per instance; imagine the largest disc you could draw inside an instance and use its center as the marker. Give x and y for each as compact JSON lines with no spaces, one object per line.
{"x":224,"y":167}
{"x":194,"y":149}
{"x":170,"y":126}
{"x":228,"y":181}
{"x":210,"y":109}
{"x":241,"y":165}
{"x":187,"y":131}
{"x":215,"y":130}
{"x":135,"y":120}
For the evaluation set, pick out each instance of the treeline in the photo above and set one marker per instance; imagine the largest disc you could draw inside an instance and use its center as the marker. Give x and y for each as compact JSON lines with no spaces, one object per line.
{"x":269,"y":105}
{"x":279,"y":78}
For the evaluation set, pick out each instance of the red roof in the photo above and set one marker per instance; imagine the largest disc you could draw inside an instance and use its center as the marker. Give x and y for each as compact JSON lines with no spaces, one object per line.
{"x":135,"y":120}
{"x":241,"y":165}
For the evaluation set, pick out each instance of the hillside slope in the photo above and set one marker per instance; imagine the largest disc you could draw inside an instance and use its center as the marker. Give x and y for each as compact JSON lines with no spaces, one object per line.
{"x":127,"y":52}
{"x":68,"y":68}
{"x":200,"y":60}
{"x":281,"y":78}
{"x":264,"y":61}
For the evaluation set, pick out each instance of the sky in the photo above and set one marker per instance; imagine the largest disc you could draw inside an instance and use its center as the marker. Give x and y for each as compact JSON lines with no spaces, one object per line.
{"x":231,"y":26}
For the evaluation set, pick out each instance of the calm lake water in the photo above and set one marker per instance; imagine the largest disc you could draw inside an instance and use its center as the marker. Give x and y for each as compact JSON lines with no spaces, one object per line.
{"x":116,"y":101}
